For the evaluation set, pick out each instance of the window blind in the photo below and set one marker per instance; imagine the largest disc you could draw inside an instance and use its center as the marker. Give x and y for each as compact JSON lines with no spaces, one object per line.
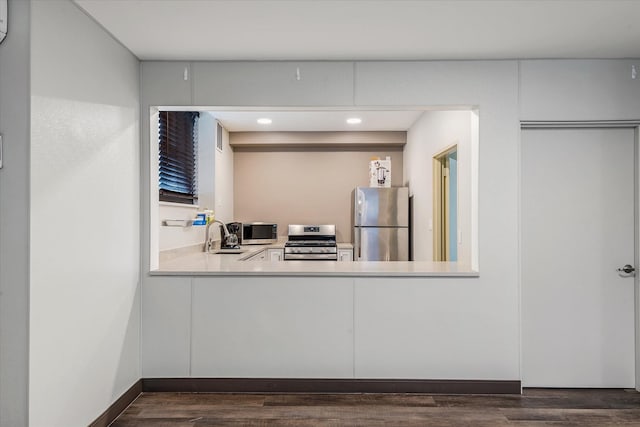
{"x":177,"y":154}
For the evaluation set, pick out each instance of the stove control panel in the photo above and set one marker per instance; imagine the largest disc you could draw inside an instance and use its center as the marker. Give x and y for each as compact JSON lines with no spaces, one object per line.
{"x":311,"y":250}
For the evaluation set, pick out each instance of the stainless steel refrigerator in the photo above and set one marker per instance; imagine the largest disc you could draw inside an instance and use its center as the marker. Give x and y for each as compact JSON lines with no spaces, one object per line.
{"x":381,"y":224}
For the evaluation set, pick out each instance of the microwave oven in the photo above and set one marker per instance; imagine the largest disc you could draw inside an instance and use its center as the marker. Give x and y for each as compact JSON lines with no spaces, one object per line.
{"x":254,"y":233}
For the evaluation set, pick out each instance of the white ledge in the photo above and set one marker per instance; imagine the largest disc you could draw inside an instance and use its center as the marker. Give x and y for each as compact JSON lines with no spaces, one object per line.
{"x":203,"y":264}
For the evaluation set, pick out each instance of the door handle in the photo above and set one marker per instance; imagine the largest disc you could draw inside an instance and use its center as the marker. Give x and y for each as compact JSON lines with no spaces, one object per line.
{"x":627,"y":269}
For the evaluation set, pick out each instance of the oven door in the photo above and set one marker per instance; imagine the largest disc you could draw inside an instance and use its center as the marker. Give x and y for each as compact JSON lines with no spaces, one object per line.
{"x":310,"y":257}
{"x":310,"y":253}
{"x":259,"y":233}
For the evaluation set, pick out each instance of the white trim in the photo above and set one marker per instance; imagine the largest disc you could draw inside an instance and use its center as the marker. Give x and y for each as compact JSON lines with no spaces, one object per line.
{"x":589,"y":124}
{"x":178,"y":205}
{"x":578,"y":124}
{"x":636,"y":242}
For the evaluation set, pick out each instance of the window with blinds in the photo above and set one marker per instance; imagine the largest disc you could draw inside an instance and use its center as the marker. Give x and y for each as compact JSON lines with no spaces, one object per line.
{"x":178,"y":147}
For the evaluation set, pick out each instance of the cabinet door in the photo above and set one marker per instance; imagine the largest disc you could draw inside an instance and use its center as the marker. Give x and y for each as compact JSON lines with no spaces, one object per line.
{"x":345,"y":254}
{"x":275,"y":254}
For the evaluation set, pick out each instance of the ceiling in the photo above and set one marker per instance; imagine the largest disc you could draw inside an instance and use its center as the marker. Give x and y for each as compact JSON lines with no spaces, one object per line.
{"x":365,"y":30}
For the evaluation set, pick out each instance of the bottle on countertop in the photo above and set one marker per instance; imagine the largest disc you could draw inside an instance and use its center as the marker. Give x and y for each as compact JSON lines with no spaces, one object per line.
{"x":209,"y":215}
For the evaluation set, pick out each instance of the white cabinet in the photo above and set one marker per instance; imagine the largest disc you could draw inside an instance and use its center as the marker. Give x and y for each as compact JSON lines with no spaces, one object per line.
{"x":345,"y":254}
{"x":275,"y":254}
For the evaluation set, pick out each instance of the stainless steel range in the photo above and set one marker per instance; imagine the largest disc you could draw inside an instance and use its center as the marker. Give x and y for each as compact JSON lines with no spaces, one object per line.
{"x":311,"y":242}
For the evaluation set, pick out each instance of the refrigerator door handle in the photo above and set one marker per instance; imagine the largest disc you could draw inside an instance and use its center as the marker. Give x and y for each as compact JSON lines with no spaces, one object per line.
{"x":359,"y":206}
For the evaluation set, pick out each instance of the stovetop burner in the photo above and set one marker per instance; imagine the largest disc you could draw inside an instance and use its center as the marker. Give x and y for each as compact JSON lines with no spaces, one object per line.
{"x":311,"y":242}
{"x":298,"y":243}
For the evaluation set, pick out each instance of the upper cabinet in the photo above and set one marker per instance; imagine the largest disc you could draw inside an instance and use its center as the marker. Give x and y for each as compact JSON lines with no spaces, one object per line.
{"x":273,"y":83}
{"x":166,"y":83}
{"x":579,"y":90}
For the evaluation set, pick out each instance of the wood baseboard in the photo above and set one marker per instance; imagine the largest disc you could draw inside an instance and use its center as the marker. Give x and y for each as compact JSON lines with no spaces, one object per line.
{"x":314,"y":385}
{"x":118,"y":406}
{"x":301,"y":385}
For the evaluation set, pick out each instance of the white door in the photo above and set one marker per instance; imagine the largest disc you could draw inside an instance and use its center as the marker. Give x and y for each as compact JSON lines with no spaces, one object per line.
{"x":577,"y":223}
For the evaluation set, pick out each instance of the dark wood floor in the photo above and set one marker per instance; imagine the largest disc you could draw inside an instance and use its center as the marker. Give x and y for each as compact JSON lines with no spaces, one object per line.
{"x":536,"y":407}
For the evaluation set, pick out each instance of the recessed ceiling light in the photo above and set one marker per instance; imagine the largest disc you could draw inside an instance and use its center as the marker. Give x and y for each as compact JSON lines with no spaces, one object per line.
{"x":354,"y":121}
{"x":264,"y":121}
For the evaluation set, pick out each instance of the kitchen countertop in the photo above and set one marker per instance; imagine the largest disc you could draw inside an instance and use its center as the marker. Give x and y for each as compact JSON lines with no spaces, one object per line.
{"x":205,"y":264}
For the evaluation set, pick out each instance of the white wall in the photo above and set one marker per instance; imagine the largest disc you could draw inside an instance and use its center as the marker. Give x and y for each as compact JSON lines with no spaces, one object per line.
{"x":314,"y":185}
{"x":594,"y":89}
{"x":422,"y":327}
{"x":432,"y":133}
{"x":206,"y":161}
{"x":85,"y":172}
{"x":292,"y":337}
{"x":467,"y":328}
{"x":14,"y":217}
{"x":224,"y":182}
{"x":171,"y":237}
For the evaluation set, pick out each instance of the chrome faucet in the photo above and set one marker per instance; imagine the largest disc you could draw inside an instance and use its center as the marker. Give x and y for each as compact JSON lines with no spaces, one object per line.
{"x":230,"y":240}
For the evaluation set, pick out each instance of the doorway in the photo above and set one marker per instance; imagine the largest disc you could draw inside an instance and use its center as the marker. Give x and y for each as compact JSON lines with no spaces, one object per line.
{"x":445,"y":205}
{"x":577,"y":229}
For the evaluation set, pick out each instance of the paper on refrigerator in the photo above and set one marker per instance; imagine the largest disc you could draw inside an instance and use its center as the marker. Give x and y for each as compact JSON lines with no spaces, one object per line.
{"x":380,"y":173}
